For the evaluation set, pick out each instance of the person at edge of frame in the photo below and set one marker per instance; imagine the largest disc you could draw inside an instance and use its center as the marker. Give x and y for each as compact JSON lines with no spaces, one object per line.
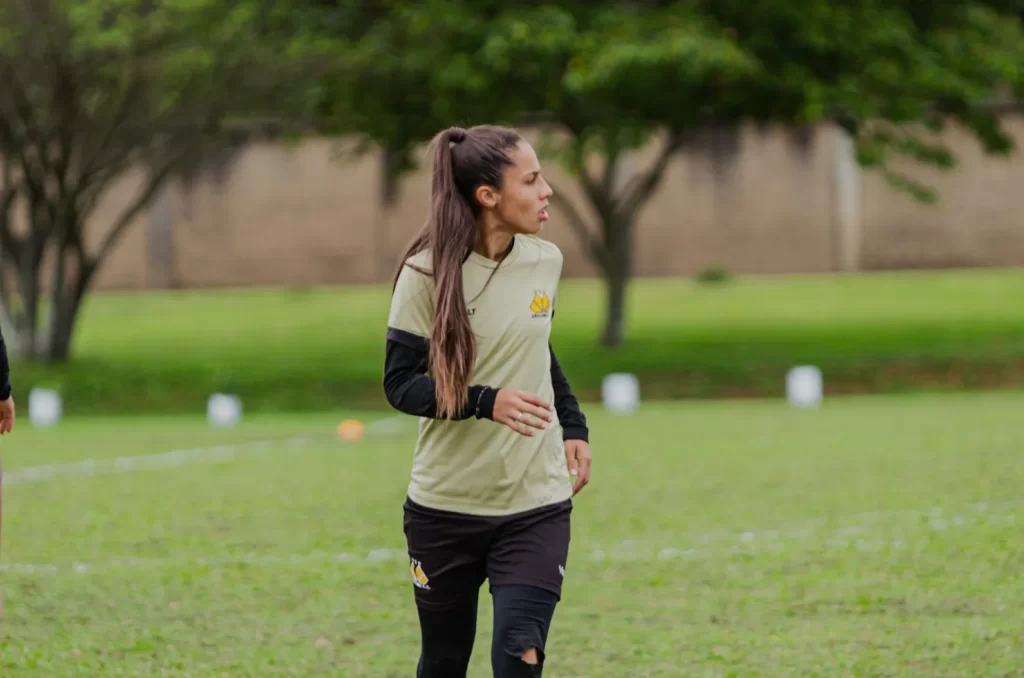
{"x":6,"y":423}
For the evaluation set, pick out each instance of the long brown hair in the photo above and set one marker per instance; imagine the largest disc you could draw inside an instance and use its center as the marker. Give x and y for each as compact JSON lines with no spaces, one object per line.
{"x":463,"y":160}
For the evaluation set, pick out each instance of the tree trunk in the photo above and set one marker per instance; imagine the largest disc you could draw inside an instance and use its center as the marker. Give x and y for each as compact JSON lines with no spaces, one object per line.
{"x":32,"y":249}
{"x":58,"y":287}
{"x":27,"y":319}
{"x":615,"y":319}
{"x":66,"y":305}
{"x":617,"y":256}
{"x":62,"y":329}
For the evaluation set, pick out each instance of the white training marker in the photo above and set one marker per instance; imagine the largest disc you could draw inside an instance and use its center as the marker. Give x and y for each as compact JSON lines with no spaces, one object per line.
{"x":45,"y":407}
{"x":804,"y":386}
{"x":223,"y":411}
{"x":621,"y":393}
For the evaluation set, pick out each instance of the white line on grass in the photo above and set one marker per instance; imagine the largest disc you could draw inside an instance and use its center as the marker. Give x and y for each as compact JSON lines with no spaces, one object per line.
{"x":92,"y":467}
{"x":214,"y":454}
{"x":876,"y":532}
{"x":856,"y":523}
{"x":253,"y":559}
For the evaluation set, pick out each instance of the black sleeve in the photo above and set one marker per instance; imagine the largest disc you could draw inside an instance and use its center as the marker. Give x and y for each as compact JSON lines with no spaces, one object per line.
{"x":5,"y":372}
{"x":574,"y":423}
{"x":410,"y":390}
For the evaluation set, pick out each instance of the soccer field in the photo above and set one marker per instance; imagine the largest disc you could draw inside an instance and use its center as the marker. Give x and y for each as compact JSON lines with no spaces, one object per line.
{"x":875,"y":537}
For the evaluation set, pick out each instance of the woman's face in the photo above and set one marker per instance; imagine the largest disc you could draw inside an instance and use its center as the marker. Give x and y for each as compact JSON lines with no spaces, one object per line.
{"x":521,"y":205}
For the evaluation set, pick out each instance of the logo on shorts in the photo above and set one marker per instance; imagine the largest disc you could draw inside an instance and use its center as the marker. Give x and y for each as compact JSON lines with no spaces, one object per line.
{"x":541,"y":304}
{"x":561,"y":570}
{"x":419,"y":579}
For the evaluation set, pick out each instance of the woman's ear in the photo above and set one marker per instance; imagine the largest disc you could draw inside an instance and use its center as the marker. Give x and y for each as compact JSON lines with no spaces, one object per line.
{"x":487,"y":197}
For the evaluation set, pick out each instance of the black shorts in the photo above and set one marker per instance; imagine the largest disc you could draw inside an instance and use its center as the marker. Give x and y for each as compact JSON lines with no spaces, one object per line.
{"x":451,"y":554}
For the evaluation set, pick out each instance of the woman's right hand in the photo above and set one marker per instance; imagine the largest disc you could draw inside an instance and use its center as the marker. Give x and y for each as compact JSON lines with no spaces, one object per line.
{"x":522,"y":412}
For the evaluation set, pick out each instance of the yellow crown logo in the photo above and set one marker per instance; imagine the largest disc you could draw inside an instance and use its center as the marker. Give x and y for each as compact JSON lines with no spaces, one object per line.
{"x":541,"y":303}
{"x":417,"y":573}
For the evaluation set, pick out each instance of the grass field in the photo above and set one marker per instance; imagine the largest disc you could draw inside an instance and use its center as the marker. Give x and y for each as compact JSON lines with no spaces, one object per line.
{"x":876,"y":537}
{"x":321,"y":348}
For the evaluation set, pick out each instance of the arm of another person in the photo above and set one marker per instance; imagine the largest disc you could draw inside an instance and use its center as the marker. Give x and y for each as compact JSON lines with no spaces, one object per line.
{"x":6,"y":415}
{"x":6,"y":399}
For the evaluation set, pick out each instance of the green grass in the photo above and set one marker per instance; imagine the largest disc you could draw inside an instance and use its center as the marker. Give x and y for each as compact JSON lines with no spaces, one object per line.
{"x":323,"y":348}
{"x":876,"y":537}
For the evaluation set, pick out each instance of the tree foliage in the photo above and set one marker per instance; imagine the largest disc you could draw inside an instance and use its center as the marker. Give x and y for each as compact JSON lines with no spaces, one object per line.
{"x":91,"y":91}
{"x":613,"y":76}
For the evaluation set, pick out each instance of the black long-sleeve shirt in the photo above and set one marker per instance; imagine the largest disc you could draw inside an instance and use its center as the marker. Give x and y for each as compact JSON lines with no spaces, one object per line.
{"x":5,"y":371}
{"x":411,"y":390}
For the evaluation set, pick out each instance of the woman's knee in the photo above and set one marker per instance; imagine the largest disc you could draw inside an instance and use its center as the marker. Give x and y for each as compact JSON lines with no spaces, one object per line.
{"x":522,"y":619}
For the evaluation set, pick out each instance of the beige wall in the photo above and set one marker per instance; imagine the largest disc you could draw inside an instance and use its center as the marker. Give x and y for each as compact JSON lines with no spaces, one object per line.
{"x":979,"y":221}
{"x":759,"y":201}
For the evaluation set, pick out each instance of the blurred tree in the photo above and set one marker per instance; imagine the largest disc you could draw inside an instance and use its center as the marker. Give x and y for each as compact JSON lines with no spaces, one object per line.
{"x":93,"y":92}
{"x":606,"y":77}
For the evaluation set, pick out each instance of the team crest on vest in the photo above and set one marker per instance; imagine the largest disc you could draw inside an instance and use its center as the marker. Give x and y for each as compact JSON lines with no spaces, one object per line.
{"x":419,"y":579}
{"x":541,"y":304}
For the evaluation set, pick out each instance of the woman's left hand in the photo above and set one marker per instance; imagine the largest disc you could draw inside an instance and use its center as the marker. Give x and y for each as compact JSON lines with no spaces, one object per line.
{"x":577,"y":454}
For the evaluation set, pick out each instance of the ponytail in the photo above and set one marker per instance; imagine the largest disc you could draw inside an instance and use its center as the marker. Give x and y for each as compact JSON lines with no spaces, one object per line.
{"x":453,"y":232}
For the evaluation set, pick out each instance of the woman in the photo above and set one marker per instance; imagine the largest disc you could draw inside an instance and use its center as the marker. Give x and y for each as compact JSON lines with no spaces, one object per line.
{"x":468,"y":352}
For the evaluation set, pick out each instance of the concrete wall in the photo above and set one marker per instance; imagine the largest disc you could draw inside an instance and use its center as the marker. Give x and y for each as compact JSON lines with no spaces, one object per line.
{"x":753,"y":201}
